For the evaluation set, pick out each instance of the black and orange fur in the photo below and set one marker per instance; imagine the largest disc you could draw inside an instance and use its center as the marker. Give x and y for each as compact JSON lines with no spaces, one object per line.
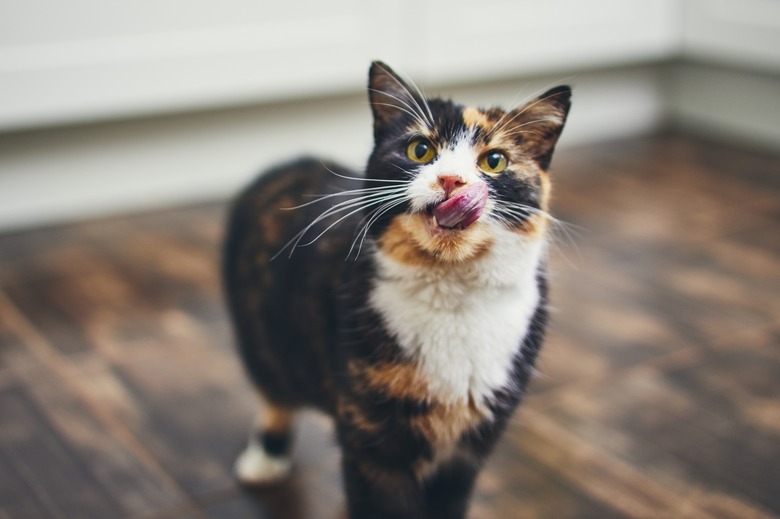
{"x":309,"y":336}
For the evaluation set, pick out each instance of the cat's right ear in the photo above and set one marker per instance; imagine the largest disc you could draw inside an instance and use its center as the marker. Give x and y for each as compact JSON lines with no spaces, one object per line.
{"x":390,"y":96}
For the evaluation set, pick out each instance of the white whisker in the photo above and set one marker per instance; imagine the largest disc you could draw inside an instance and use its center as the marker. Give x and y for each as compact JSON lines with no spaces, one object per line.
{"x":410,"y":173}
{"x":505,"y":210}
{"x":367,"y":197}
{"x":366,"y":191}
{"x":362,"y":179}
{"x":374,"y":216}
{"x":361,"y":207}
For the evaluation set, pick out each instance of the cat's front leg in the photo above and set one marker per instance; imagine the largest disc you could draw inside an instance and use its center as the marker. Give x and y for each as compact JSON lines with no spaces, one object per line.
{"x":375,"y":491}
{"x":380,"y":450}
{"x":447,"y":492}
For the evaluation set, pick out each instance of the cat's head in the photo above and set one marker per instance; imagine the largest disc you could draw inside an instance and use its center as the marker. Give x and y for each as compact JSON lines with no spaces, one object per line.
{"x":464,"y":174}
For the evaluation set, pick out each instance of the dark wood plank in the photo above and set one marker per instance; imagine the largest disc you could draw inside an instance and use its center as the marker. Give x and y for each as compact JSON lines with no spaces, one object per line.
{"x":65,"y":470}
{"x":313,"y":492}
{"x":707,"y":426}
{"x":61,"y":446}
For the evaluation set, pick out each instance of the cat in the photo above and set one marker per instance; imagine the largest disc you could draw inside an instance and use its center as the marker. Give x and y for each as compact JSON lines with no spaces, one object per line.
{"x":417,"y":308}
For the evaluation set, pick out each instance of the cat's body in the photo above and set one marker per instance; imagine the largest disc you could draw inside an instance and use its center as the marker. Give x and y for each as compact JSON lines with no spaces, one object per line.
{"x":421,"y":343}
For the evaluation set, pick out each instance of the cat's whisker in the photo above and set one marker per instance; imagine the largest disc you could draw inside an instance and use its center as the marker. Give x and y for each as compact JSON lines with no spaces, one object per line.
{"x":366,"y":217}
{"x":347,"y":204}
{"x":354,"y":205}
{"x":342,"y":218}
{"x":556,"y":221}
{"x":526,"y":210}
{"x":368,"y":190}
{"x":560,"y":228}
{"x":359,"y":202}
{"x":376,"y":214}
{"x":364,"y":179}
{"x":404,"y":170}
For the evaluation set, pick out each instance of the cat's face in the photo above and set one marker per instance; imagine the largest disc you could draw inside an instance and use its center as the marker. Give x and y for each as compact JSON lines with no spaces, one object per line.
{"x":465,"y":175}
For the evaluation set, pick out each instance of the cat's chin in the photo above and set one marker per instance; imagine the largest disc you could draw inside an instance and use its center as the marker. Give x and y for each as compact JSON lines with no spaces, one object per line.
{"x":418,"y":239}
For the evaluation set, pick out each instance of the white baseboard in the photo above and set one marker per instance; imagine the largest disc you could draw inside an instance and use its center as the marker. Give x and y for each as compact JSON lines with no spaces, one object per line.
{"x":66,"y":174}
{"x":726,"y":103}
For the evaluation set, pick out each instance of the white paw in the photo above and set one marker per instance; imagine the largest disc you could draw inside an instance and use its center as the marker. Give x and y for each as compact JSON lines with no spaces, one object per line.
{"x":255,"y":467}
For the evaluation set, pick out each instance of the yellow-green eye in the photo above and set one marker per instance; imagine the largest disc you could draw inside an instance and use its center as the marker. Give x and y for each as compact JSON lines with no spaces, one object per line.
{"x":493,"y":162}
{"x":420,"y":150}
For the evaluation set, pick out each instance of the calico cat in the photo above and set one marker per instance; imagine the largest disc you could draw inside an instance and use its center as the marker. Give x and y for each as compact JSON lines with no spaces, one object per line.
{"x":416,"y":311}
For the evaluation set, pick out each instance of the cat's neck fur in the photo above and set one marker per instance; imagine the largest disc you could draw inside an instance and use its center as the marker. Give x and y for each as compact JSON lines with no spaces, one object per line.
{"x":462,"y":323}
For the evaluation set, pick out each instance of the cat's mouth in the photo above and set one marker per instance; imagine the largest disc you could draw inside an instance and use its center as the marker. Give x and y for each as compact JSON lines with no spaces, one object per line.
{"x":461,"y":209}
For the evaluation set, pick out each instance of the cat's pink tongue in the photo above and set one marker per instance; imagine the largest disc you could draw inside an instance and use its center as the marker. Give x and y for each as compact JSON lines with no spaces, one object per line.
{"x":463,"y":208}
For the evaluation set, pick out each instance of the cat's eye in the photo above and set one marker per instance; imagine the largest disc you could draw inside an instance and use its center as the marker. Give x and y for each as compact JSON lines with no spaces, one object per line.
{"x":420,"y":150}
{"x":493,"y":162}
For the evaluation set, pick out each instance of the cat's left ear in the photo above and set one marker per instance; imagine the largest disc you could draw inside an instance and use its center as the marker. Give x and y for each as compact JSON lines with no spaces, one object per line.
{"x":391,"y":98}
{"x":540,"y":123}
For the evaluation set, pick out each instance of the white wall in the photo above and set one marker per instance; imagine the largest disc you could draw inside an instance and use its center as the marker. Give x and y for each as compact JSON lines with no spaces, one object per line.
{"x":741,"y":106}
{"x":114,"y":106}
{"x":86,"y":60}
{"x":744,"y":34}
{"x":729,"y":82}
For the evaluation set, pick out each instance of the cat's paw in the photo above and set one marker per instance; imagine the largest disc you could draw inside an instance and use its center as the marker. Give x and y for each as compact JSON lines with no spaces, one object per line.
{"x":255,"y":467}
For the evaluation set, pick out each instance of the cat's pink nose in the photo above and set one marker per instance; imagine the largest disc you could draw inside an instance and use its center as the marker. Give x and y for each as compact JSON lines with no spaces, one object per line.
{"x":450,"y":183}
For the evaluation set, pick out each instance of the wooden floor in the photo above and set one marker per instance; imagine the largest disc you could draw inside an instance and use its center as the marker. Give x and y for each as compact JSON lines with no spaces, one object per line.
{"x":658,"y":393}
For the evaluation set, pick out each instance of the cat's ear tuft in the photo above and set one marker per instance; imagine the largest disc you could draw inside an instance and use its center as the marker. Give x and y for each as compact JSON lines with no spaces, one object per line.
{"x":540,"y":123}
{"x":389,"y":95}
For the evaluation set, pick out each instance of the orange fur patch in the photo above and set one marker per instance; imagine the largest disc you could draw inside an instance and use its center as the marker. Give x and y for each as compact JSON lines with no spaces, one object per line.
{"x":546,"y":189}
{"x":443,"y":427}
{"x":475,"y":117}
{"x":534,"y":226}
{"x":397,"y":380}
{"x":410,"y":240}
{"x":352,"y":414}
{"x":275,"y":419}
{"x":445,"y":424}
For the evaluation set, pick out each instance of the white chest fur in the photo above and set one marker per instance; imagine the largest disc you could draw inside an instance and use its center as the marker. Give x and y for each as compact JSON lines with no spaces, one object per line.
{"x":463,"y":326}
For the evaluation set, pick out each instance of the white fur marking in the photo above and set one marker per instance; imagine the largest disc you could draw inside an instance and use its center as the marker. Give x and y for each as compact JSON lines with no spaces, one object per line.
{"x":254,"y":466}
{"x":463,"y":324}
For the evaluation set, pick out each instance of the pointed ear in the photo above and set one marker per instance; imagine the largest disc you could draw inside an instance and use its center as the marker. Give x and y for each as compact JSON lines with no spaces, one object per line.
{"x":389,"y":95}
{"x":540,"y":123}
